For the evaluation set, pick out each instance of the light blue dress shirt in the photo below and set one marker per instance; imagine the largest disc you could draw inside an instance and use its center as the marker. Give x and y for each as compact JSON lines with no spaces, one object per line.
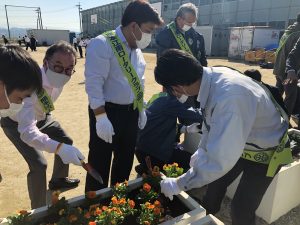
{"x":104,"y":79}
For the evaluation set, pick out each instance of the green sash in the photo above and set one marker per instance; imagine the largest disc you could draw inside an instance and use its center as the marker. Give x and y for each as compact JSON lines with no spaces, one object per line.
{"x":154,"y":97}
{"x":122,"y":56}
{"x":284,"y":39}
{"x":45,"y":101}
{"x":179,"y":38}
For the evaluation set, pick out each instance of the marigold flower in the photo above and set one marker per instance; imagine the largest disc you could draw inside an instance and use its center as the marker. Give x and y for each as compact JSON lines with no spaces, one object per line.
{"x":157,"y":203}
{"x":165,"y":167}
{"x":150,"y":206}
{"x":104,"y":208}
{"x":98,"y":211}
{"x":131,"y":203}
{"x":146,"y":187}
{"x":175,"y":164}
{"x":23,"y":212}
{"x":156,"y":211}
{"x":87,"y":215}
{"x":114,"y":200}
{"x":147,"y":223}
{"x":92,"y":223}
{"x":91,"y":194}
{"x":122,"y":201}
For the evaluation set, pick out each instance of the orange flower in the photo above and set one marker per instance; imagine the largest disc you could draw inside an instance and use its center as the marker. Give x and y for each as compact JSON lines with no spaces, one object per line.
{"x":157,"y":203}
{"x":156,"y":211}
{"x":147,"y":223}
{"x":146,"y":187}
{"x":175,"y":164}
{"x":165,"y":167}
{"x":98,"y":211}
{"x":147,"y":204}
{"x":131,"y":204}
{"x":91,"y":194}
{"x":92,"y":223}
{"x":72,"y":218}
{"x":114,"y":200}
{"x":87,"y":215}
{"x":122,"y":201}
{"x":23,"y":212}
{"x":104,"y":208}
{"x":150,"y":207}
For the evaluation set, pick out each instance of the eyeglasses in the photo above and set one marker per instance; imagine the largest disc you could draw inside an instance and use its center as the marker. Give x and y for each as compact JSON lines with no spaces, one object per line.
{"x":61,"y":69}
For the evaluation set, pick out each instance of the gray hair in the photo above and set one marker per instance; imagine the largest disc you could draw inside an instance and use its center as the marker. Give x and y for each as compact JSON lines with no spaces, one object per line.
{"x":187,"y":8}
{"x":60,"y":46}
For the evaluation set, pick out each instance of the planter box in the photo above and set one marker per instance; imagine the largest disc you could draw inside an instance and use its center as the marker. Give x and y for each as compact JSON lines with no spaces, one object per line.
{"x":196,"y":211}
{"x":208,"y":220}
{"x":281,"y":196}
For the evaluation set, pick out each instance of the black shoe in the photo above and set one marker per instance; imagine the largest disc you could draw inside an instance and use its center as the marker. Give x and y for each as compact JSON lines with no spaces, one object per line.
{"x":60,"y":183}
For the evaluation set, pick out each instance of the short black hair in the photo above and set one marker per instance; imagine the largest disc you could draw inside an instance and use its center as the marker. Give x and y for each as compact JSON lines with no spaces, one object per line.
{"x":18,"y":70}
{"x":298,"y":17}
{"x":177,"y":67}
{"x":254,"y":74}
{"x":60,"y":46}
{"x":140,"y":11}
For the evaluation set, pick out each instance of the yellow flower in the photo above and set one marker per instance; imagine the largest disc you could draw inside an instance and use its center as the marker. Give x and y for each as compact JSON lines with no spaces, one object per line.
{"x":175,"y":164}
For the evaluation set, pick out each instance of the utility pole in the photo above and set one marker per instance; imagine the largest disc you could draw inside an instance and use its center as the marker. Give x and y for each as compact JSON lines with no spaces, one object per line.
{"x":7,"y":22}
{"x":79,"y":8}
{"x":41,"y":21}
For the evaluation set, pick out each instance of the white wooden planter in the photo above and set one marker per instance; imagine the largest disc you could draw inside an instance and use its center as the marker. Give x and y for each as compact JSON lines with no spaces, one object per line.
{"x":196,"y":211}
{"x":281,"y":196}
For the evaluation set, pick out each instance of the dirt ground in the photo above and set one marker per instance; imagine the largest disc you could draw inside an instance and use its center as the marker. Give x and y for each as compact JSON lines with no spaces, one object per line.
{"x":71,"y":112}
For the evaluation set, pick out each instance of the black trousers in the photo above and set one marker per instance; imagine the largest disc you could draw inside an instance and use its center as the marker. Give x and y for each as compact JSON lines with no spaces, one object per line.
{"x":249,"y":193}
{"x":125,"y":123}
{"x":179,"y":156}
{"x":80,"y":51}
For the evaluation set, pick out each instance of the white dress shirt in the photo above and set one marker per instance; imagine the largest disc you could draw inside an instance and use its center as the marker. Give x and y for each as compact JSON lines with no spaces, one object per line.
{"x":240,"y":115}
{"x":31,"y":113}
{"x":104,"y":79}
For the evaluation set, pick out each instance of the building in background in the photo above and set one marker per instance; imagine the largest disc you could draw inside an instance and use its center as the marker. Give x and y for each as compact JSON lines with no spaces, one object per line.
{"x":218,"y":14}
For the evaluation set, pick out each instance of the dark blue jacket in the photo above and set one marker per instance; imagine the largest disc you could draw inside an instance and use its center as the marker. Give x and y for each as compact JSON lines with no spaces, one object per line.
{"x":158,"y":137}
{"x":166,"y":40}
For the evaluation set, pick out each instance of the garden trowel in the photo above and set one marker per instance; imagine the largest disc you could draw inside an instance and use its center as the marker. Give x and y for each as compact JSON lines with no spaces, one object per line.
{"x":91,"y":171}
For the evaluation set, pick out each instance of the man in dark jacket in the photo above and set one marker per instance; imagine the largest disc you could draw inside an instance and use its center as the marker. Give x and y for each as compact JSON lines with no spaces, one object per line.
{"x":159,"y":139}
{"x":292,"y":70}
{"x":180,"y":34}
{"x":286,"y":44}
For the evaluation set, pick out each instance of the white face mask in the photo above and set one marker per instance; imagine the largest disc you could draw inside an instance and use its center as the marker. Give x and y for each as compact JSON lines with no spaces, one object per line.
{"x":57,"y":80}
{"x":13,"y":109}
{"x":145,"y":40}
{"x":182,"y":98}
{"x":185,"y":27}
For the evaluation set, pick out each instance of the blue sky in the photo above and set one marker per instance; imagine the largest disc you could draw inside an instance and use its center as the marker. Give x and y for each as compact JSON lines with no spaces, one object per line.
{"x":56,"y":14}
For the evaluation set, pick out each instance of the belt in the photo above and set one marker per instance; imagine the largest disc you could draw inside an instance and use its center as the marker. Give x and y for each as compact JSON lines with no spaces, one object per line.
{"x":128,"y":107}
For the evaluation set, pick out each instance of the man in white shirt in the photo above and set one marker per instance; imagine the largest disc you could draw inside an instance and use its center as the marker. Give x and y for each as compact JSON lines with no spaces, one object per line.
{"x":115,"y":92}
{"x":75,"y":43}
{"x":33,"y":130}
{"x":21,"y":78}
{"x":242,"y":132}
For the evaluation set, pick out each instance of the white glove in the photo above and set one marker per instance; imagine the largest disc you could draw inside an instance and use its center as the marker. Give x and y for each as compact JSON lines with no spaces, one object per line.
{"x":191,"y":129}
{"x":70,"y":154}
{"x":169,"y":187}
{"x":104,"y":128}
{"x":142,"y":119}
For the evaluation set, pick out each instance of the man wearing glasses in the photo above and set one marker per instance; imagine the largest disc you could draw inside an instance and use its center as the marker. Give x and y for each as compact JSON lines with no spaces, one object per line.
{"x":33,"y":130}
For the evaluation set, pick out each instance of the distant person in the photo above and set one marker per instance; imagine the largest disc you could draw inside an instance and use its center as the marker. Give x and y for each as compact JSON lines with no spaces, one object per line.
{"x":75,"y":43}
{"x":27,"y":42}
{"x":80,"y":45}
{"x":33,"y":43}
{"x":293,"y":75}
{"x":286,"y":44}
{"x":256,"y":75}
{"x":20,"y":41}
{"x":5,"y":40}
{"x":180,"y":34}
{"x":34,"y":130}
{"x":21,"y":78}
